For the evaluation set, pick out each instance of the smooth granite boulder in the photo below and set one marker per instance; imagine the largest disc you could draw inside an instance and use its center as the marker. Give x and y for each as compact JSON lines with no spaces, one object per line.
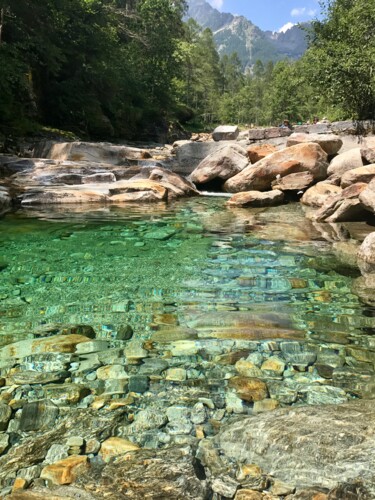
{"x":306,"y":157}
{"x":308,"y":446}
{"x":330,"y":143}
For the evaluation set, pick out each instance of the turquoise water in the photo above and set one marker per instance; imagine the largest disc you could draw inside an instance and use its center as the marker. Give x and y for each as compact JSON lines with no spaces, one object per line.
{"x":176,"y":264}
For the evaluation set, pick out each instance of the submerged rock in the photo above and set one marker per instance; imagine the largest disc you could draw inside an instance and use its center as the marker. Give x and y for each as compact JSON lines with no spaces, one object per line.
{"x":302,"y":447}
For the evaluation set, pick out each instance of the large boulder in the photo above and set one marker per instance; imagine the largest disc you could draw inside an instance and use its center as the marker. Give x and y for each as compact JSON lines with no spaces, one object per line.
{"x":223,"y":164}
{"x":366,"y":254}
{"x":306,"y":157}
{"x":177,"y":186}
{"x":343,"y":207}
{"x":330,"y":143}
{"x":5,"y":198}
{"x":322,"y":446}
{"x":294,"y":182}
{"x":317,"y":195}
{"x":367,"y":197}
{"x":256,"y":199}
{"x":93,"y":152}
{"x":191,"y":153}
{"x":257,"y":152}
{"x":368,"y":155}
{"x":225,"y":133}
{"x":345,"y":161}
{"x":360,"y":174}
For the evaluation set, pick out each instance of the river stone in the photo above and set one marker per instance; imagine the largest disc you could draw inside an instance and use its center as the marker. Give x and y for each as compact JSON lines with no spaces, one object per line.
{"x":307,"y":157}
{"x":66,"y":470}
{"x":138,"y":383}
{"x":112,"y":372}
{"x":225,"y":133}
{"x":338,"y":444}
{"x":249,"y":389}
{"x":257,"y":152}
{"x":368,"y":155}
{"x":330,"y":143}
{"x":115,"y":446}
{"x":4,"y":441}
{"x":174,"y":183}
{"x":247,"y":368}
{"x":294,"y":182}
{"x":225,"y":486}
{"x":360,"y":174}
{"x":222,"y":164}
{"x":62,"y":394}
{"x":57,"y":344}
{"x":32,"y":377}
{"x":5,"y":414}
{"x":99,"y":177}
{"x":256,"y":199}
{"x":317,"y":195}
{"x":345,"y":161}
{"x":38,"y":415}
{"x":366,"y":254}
{"x":5,"y":198}
{"x":165,"y":474}
{"x":367,"y":197}
{"x":345,"y":206}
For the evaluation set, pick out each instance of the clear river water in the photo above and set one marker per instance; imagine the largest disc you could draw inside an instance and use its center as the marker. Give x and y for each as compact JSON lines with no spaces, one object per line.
{"x":229,"y":275}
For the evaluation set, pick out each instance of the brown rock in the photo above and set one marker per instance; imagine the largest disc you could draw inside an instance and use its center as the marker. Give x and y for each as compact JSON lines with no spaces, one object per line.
{"x":343,"y":207}
{"x":249,"y":389}
{"x":317,"y":195}
{"x":308,"y":157}
{"x":248,"y":495}
{"x":222,"y":164}
{"x":367,"y":197}
{"x":330,"y":143}
{"x":368,"y":156}
{"x":62,"y":195}
{"x":256,"y":199}
{"x":258,"y":152}
{"x":137,"y":186}
{"x":114,"y":446}
{"x":174,"y":183}
{"x":65,"y":471}
{"x":361,"y":174}
{"x":366,"y":254}
{"x":294,"y":182}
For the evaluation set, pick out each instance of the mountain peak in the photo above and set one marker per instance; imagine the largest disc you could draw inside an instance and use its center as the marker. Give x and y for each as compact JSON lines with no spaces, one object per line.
{"x":237,"y":34}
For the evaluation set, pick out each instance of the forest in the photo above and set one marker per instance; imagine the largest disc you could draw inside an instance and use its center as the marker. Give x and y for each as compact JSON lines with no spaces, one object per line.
{"x":131,"y":68}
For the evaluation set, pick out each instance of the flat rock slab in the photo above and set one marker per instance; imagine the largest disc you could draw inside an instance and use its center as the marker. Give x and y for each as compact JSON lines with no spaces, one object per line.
{"x":225,"y":133}
{"x":308,"y":446}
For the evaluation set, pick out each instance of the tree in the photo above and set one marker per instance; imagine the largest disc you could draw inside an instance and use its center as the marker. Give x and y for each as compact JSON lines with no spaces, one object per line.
{"x":342,"y":54}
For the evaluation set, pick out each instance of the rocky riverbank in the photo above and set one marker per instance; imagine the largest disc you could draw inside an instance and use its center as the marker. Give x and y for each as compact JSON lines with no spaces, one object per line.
{"x":231,"y":403}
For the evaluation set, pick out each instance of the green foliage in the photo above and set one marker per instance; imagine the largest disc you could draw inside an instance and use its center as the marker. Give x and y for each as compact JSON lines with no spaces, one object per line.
{"x":342,"y":54}
{"x":97,"y":67}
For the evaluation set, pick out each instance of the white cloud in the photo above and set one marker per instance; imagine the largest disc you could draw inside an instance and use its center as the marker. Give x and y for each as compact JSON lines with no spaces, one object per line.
{"x":217,"y":4}
{"x":286,"y":27}
{"x":302,"y":11}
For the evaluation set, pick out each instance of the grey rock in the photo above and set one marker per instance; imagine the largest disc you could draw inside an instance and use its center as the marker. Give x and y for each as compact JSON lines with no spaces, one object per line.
{"x":138,"y":383}
{"x":4,"y":441}
{"x":56,"y":452}
{"x":338,"y":444}
{"x":225,"y":133}
{"x":225,"y":486}
{"x":5,"y":415}
{"x":38,"y":415}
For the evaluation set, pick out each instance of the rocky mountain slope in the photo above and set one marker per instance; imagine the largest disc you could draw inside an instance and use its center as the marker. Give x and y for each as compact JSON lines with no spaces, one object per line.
{"x":238,"y":34}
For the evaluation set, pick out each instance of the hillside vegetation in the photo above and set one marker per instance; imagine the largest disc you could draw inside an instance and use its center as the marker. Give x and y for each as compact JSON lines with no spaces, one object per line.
{"x":128,"y":68}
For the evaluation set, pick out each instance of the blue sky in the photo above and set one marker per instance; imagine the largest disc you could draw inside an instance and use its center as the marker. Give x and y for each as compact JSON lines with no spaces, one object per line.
{"x":270,"y":14}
